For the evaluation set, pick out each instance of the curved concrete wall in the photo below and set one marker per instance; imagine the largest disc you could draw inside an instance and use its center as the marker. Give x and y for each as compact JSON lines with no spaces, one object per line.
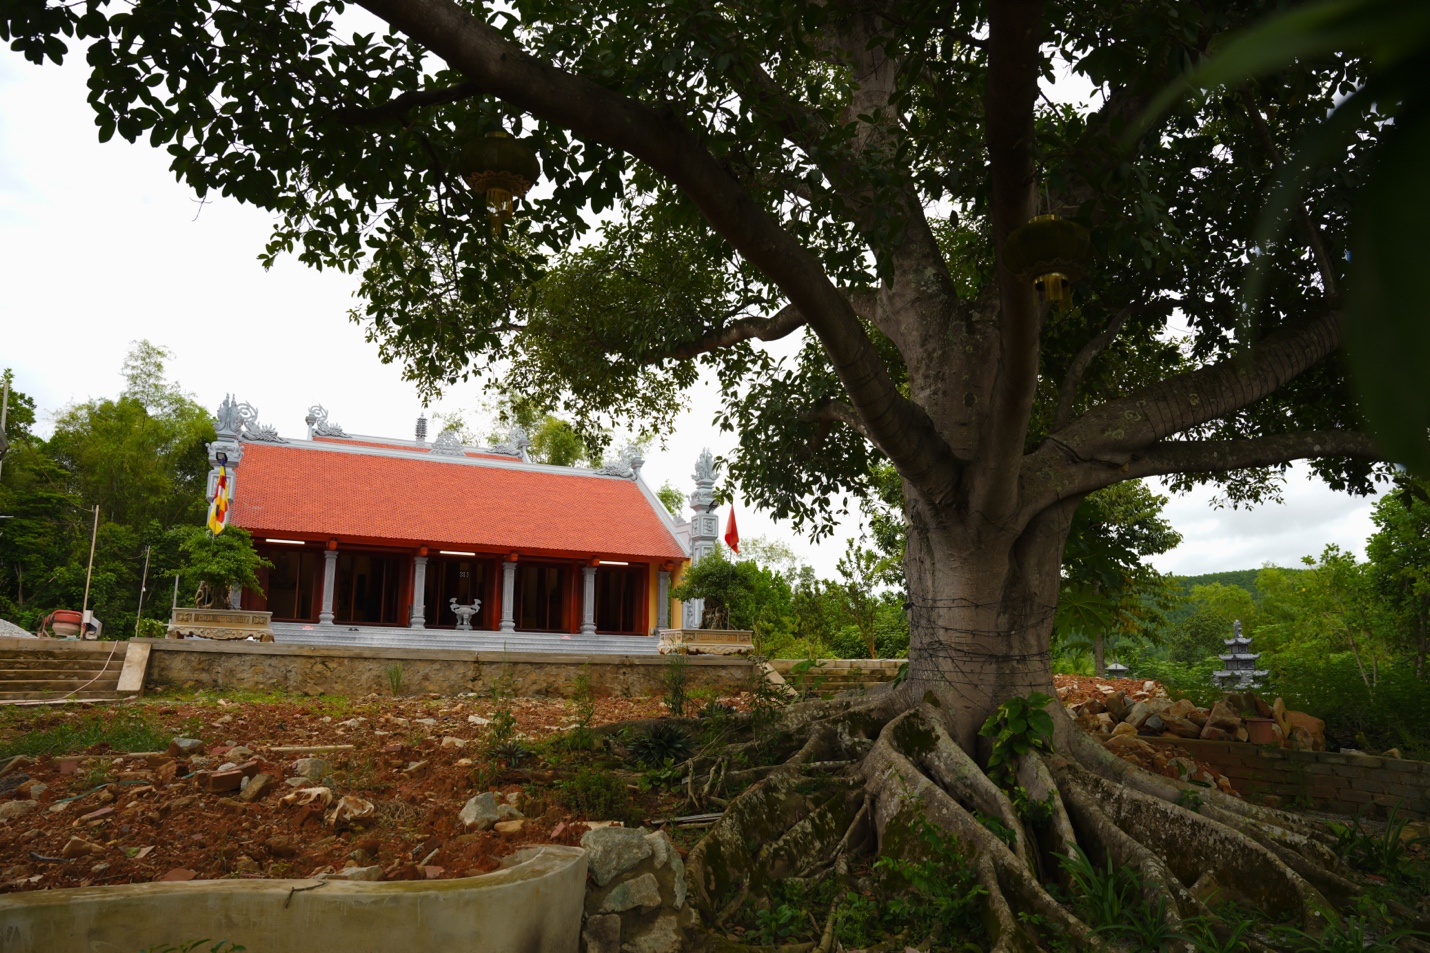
{"x":532,"y":906}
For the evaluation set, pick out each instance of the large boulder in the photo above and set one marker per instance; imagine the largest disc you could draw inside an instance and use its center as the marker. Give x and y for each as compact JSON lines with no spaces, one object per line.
{"x":635,"y":901}
{"x":613,"y":850}
{"x":1307,"y":732}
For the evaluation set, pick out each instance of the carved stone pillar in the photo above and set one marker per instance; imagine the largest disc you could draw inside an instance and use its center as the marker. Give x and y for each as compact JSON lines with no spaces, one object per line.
{"x":662,"y":600}
{"x":508,"y":596}
{"x":235,"y":597}
{"x":588,"y":601}
{"x":419,"y":592}
{"x":330,"y":581}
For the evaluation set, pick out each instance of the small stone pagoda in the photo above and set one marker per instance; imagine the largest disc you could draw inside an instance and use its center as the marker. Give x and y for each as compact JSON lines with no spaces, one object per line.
{"x":1241,"y":672}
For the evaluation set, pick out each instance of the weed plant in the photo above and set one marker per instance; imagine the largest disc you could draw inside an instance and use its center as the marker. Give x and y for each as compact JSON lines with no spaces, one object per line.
{"x":1382,"y":853}
{"x":676,"y":680}
{"x":581,"y":737}
{"x":660,"y":744}
{"x":394,"y":679}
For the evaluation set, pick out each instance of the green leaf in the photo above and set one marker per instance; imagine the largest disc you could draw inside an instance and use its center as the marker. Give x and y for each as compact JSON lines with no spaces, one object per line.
{"x":1388,"y":302}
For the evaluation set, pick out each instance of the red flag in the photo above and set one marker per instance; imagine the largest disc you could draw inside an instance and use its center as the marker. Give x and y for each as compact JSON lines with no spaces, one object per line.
{"x":732,"y":535}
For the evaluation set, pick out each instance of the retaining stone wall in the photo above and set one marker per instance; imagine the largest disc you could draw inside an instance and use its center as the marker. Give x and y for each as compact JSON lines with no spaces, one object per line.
{"x":1326,"y":780}
{"x":342,"y":670}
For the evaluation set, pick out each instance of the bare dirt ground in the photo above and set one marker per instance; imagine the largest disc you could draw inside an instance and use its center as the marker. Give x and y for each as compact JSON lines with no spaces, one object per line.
{"x":73,"y":815}
{"x":127,"y":819}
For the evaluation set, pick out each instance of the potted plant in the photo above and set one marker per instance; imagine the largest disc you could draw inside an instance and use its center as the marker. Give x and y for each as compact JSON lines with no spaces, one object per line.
{"x":216,"y":564}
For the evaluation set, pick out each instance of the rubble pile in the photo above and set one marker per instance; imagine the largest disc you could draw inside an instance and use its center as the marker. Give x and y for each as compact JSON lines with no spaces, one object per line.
{"x":1237,"y":716}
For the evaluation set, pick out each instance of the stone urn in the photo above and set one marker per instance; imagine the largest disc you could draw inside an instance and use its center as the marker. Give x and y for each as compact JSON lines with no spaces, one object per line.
{"x":464,"y":613}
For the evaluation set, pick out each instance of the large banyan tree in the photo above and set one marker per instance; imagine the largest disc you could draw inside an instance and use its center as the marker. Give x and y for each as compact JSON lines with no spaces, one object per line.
{"x":984,"y":272}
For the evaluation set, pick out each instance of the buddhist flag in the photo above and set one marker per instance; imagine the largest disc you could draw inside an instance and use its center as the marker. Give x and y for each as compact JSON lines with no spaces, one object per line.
{"x":218,"y":509}
{"x":732,"y":534}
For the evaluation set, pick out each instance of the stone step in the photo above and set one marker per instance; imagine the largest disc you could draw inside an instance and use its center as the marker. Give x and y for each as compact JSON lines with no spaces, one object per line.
{"x":88,"y":694}
{"x":59,"y":664}
{"x":12,"y":676}
{"x":64,"y":684}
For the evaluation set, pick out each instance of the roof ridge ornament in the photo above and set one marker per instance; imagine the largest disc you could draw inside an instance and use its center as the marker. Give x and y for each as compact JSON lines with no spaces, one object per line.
{"x":448,"y":444}
{"x":318,"y":426}
{"x":240,"y":420}
{"x":515,"y":443}
{"x":627,"y":465}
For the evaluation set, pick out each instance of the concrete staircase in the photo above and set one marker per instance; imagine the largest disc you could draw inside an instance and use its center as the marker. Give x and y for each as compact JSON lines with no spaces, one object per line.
{"x":34,"y":670}
{"x":292,"y":633}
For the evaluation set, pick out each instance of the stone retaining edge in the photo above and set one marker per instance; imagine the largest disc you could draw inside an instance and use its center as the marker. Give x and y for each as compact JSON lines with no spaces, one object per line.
{"x":532,"y":906}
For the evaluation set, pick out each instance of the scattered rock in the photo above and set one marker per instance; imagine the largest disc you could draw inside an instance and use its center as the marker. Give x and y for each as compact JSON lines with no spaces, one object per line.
{"x":36,"y":789}
{"x":415,"y":768}
{"x":15,"y":809}
{"x":246,"y":865}
{"x":509,"y":827}
{"x":355,"y":873}
{"x":450,"y":742}
{"x":478,"y":720}
{"x":79,"y":847}
{"x":185,"y":747}
{"x":1207,"y":889}
{"x":283,"y":846}
{"x":257,"y":786}
{"x":314,"y":769}
{"x":642,"y":891}
{"x":1122,"y":730}
{"x":1117,"y":705}
{"x":482,"y":811}
{"x":613,"y":850}
{"x":240,"y":753}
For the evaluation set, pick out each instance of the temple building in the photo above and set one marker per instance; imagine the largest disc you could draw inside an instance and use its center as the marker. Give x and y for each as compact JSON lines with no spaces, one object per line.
{"x":366,"y":532}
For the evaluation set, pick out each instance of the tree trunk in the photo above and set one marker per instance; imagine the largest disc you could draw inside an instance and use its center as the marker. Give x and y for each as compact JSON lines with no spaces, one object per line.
{"x":1099,"y":667}
{"x":981,"y":611}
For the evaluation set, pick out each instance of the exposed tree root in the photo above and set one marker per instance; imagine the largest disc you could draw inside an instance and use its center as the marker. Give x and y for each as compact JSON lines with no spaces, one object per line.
{"x":848,"y":774}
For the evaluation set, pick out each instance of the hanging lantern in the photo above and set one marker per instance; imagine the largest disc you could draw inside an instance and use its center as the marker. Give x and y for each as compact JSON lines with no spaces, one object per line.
{"x":501,"y":167}
{"x":1051,"y":252}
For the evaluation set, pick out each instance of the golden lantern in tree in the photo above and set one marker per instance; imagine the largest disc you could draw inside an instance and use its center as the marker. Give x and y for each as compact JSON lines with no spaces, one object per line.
{"x":1051,"y":252}
{"x":501,"y":167}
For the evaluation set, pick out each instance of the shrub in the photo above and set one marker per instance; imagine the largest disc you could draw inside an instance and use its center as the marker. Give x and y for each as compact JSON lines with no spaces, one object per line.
{"x":598,"y":794}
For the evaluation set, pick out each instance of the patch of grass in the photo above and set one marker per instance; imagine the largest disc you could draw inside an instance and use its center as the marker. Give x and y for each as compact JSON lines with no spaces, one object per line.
{"x":196,"y":946}
{"x":394,"y":679}
{"x":121,"y":730}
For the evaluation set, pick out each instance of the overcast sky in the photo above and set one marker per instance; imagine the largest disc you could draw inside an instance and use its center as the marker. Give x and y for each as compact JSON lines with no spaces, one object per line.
{"x":101,"y":247}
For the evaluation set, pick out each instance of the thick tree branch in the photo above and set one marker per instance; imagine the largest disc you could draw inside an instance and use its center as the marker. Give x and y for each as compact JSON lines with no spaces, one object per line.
{"x":1220,"y":456}
{"x":1015,"y":29}
{"x":1067,"y":393}
{"x":786,"y":321}
{"x":1116,"y":431}
{"x":656,"y":137}
{"x":838,"y":412}
{"x":398,"y":107}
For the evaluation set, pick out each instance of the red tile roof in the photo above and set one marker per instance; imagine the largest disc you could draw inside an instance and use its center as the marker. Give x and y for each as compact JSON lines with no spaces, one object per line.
{"x":415,"y":501}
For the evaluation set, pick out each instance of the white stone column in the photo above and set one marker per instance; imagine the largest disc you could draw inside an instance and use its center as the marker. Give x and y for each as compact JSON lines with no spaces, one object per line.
{"x":330,"y":581}
{"x":662,"y":600}
{"x":419,"y":592}
{"x":588,"y":601}
{"x":235,"y":597}
{"x":508,"y":596}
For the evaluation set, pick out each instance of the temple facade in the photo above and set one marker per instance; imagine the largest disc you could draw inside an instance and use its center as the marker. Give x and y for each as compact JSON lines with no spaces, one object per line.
{"x":377,"y":532}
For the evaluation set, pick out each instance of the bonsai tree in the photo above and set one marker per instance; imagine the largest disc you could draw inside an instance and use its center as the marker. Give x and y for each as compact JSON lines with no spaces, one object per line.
{"x":217,"y":563}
